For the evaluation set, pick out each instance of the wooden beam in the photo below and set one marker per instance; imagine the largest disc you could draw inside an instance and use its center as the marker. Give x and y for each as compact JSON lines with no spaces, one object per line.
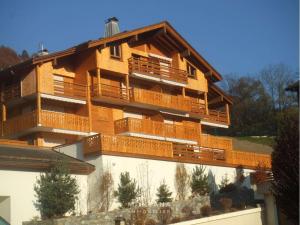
{"x":186,"y":53}
{"x":98,"y":81}
{"x":183,"y":92}
{"x":38,"y":96}
{"x":206,"y":103}
{"x":227,"y":113}
{"x":216,"y":100}
{"x":133,"y":39}
{"x":127,"y":85}
{"x":88,"y":78}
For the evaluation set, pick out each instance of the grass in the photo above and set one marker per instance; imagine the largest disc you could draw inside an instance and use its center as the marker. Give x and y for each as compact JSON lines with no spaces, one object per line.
{"x":264,"y":140}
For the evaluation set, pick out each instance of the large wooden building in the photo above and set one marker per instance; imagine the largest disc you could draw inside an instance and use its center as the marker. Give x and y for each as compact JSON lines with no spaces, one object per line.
{"x":143,"y":92}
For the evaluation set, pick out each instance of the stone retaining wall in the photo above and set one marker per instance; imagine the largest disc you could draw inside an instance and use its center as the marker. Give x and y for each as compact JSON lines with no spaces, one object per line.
{"x":108,"y":218}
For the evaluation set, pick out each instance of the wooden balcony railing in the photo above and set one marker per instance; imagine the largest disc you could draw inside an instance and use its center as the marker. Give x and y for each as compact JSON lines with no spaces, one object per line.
{"x":159,"y":99}
{"x":248,"y":158}
{"x":130,"y":145}
{"x":217,"y":116}
{"x":11,"y":92}
{"x":71,"y":90}
{"x":109,"y":91}
{"x":150,"y":127}
{"x":196,"y":154}
{"x":214,"y":142}
{"x":65,"y":121}
{"x":19,"y":123}
{"x":155,"y":69}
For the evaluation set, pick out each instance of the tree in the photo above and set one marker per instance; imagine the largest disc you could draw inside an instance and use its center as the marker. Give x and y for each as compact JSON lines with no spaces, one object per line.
{"x":56,"y":192}
{"x":8,"y":57}
{"x":163,"y":193}
{"x":224,"y":181}
{"x":199,"y":183}
{"x":127,"y":191}
{"x":182,"y":180}
{"x":106,"y":191}
{"x":285,"y":167}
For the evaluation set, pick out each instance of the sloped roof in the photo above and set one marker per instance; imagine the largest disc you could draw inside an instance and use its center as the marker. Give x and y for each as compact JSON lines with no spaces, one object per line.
{"x":32,"y":158}
{"x":165,"y":26}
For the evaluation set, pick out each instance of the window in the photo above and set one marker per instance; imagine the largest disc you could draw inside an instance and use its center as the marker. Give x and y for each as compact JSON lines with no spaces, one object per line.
{"x":191,"y":71}
{"x":115,"y":51}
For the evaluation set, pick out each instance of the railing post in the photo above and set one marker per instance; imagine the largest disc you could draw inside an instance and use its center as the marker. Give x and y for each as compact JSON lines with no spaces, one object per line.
{"x":99,"y":81}
{"x":88,"y":78}
{"x":127,"y":85}
{"x":206,"y":103}
{"x":227,"y":113}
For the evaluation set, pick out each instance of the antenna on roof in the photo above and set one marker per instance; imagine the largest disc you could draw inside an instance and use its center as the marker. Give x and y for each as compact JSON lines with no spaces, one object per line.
{"x":42,"y":51}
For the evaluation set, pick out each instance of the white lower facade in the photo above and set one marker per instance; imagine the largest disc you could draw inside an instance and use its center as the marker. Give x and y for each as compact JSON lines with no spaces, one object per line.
{"x":17,"y":195}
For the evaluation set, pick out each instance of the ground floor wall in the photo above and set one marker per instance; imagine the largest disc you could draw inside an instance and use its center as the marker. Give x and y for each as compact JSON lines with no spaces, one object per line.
{"x":17,"y":195}
{"x":149,"y":174}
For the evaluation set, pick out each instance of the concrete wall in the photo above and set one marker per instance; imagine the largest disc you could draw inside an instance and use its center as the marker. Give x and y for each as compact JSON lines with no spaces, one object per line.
{"x":245,"y":217}
{"x":18,"y":186}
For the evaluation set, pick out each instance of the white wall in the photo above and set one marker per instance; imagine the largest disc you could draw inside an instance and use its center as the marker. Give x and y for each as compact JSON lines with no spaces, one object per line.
{"x":18,"y":185}
{"x":145,"y":170}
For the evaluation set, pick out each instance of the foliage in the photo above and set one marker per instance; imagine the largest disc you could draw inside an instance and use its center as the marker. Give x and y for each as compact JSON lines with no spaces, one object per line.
{"x":182,"y":180}
{"x":260,"y":175}
{"x":175,"y":219}
{"x":9,"y":57}
{"x":150,"y":222}
{"x":56,"y":191}
{"x":206,"y":210}
{"x":106,"y":191}
{"x":139,"y":215}
{"x":127,"y":191}
{"x":164,"y":214}
{"x":188,"y":211}
{"x":224,"y":181}
{"x":285,"y":167}
{"x":163,"y":193}
{"x":199,"y":182}
{"x":226,"y":204}
{"x":228,"y":188}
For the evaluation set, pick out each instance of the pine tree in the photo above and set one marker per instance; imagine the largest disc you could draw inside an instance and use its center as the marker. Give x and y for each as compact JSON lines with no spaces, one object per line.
{"x":199,"y":183}
{"x":163,"y":193}
{"x":285,"y":167}
{"x":224,"y":181}
{"x":127,"y":191}
{"x":56,"y":192}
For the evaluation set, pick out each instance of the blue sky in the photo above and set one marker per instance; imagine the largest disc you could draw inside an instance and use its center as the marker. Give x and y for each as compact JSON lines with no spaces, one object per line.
{"x":235,"y":36}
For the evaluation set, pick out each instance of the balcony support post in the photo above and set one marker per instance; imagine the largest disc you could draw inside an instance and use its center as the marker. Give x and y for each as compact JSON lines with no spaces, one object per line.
{"x":99,"y":81}
{"x":206,"y":103}
{"x":127,"y":85}
{"x":227,"y":113}
{"x":183,"y":92}
{"x":88,"y":79}
{"x":38,"y":96}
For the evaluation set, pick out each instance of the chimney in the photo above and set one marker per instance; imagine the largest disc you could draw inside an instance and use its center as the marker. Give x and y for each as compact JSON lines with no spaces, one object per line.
{"x":42,"y":50}
{"x":111,"y":27}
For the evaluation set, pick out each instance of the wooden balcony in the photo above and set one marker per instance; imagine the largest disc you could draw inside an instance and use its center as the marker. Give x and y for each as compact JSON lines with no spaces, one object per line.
{"x":100,"y":143}
{"x":156,"y":128}
{"x":69,"y":90}
{"x":19,"y":123}
{"x":216,"y":116}
{"x":66,"y":121}
{"x":156,"y":71}
{"x":49,"y":119}
{"x":214,"y":142}
{"x":248,"y":159}
{"x":109,"y":94}
{"x":160,"y":100}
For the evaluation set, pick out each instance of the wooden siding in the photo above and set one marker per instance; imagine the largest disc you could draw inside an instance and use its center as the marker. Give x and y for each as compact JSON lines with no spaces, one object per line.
{"x":214,"y":142}
{"x":150,"y":127}
{"x":11,"y":92}
{"x":68,"y":89}
{"x":99,"y":143}
{"x":248,"y":158}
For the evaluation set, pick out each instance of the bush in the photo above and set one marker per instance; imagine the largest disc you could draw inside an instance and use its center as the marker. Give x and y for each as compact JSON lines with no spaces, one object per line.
{"x":163,"y":194}
{"x":140,"y":215}
{"x":128,"y":190}
{"x":164,"y":214}
{"x":175,"y":219}
{"x":188,"y":211}
{"x":150,"y":222}
{"x":205,"y":210}
{"x":226,"y":204}
{"x":228,"y":188}
{"x":56,"y":192}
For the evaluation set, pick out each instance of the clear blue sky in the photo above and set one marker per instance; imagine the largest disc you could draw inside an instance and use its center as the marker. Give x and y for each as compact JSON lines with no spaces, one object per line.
{"x":235,"y":36}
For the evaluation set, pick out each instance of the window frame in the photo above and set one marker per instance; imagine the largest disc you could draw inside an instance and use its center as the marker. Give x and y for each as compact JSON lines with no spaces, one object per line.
{"x":189,"y":68}
{"x":113,"y":50}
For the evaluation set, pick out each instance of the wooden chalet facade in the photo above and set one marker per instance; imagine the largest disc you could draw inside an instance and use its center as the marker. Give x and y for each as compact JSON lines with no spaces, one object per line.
{"x":142,"y":92}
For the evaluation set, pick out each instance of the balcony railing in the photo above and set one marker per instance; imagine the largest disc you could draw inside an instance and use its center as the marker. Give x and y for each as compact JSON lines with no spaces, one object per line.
{"x":65,"y":121}
{"x":248,"y":158}
{"x":19,"y":123}
{"x":109,"y":91}
{"x":11,"y":92}
{"x":214,"y":142}
{"x":71,"y":90}
{"x":217,"y":116}
{"x":156,"y":128}
{"x":51,"y":119}
{"x":155,"y":69}
{"x":100,"y":143}
{"x":159,"y":99}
